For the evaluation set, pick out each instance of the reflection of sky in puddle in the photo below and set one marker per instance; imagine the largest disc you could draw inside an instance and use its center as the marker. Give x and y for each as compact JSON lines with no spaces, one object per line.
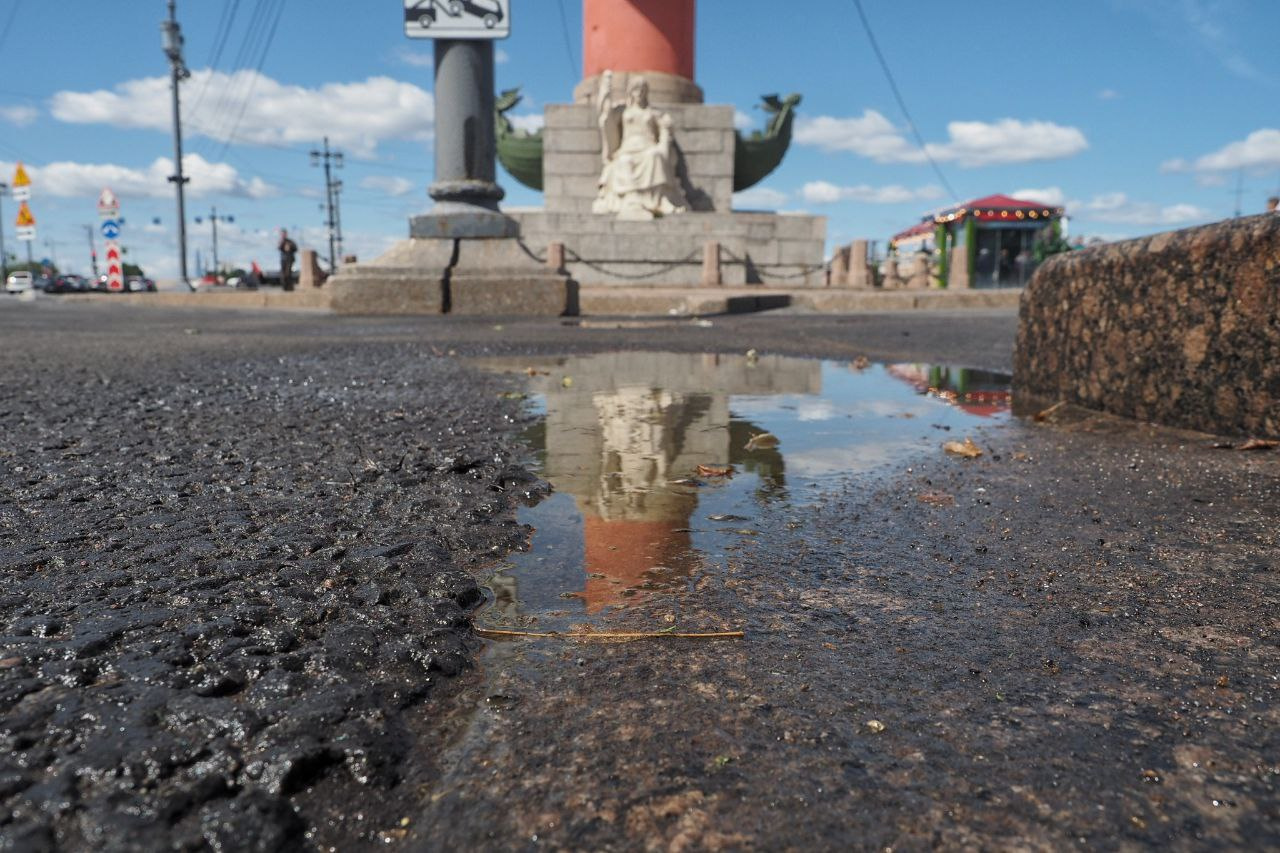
{"x":621,"y":442}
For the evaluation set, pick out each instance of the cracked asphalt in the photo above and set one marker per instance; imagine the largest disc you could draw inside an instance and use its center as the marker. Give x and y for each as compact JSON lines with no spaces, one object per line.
{"x":241,"y":554}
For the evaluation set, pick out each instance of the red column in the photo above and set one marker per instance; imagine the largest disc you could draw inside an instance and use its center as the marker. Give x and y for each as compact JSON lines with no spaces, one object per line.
{"x":638,"y":35}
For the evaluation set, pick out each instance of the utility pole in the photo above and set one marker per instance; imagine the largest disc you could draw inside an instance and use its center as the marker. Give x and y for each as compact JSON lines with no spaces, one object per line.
{"x":93,"y":252}
{"x":337,"y":215}
{"x":4,"y":258}
{"x":1239,"y":190}
{"x":213,"y":221}
{"x":326,"y":157}
{"x":177,"y":73}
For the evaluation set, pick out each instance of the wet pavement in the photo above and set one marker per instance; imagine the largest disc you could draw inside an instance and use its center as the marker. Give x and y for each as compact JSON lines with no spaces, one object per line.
{"x":1069,"y":640}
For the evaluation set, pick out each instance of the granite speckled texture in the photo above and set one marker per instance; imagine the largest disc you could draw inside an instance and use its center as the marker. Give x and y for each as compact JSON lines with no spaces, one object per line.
{"x":1179,"y":328}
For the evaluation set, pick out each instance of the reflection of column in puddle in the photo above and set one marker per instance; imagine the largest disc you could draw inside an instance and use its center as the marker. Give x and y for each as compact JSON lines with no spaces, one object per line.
{"x":633,"y":519}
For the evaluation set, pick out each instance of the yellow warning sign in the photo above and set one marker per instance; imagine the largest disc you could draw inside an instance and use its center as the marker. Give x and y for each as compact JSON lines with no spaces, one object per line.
{"x":25,"y":219}
{"x":20,"y":178}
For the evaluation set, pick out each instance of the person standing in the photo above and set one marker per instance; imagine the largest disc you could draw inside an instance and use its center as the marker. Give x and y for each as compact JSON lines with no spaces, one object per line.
{"x":288,"y":249}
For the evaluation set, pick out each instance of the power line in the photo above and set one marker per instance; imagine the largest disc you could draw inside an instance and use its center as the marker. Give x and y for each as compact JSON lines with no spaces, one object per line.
{"x":225,"y":23}
{"x":902,"y":104}
{"x":257,"y":75}
{"x":568,"y":43}
{"x":8,"y":25}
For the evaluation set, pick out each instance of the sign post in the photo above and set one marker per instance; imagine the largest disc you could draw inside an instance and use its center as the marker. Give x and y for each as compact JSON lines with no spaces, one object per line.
{"x":109,"y":213}
{"x":465,"y":189}
{"x":25,"y":227}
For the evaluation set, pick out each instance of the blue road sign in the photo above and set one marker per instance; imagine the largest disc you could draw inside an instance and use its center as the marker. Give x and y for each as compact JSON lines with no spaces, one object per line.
{"x":110,"y":229}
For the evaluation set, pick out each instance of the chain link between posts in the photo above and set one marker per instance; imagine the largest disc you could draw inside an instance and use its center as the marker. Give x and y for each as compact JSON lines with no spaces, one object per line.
{"x":571,"y":255}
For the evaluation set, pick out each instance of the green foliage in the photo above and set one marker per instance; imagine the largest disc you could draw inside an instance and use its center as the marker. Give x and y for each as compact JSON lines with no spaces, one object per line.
{"x":1049,"y":242}
{"x":133,"y":269}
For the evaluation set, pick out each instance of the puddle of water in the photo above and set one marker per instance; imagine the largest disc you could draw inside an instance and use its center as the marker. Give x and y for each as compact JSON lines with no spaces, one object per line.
{"x":622,"y":435}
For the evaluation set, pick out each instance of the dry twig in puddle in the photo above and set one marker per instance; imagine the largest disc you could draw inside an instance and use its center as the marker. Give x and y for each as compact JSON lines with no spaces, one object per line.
{"x":496,"y":633}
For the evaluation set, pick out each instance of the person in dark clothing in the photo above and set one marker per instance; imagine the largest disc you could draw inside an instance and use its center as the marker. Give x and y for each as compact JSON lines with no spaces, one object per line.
{"x":288,"y":249}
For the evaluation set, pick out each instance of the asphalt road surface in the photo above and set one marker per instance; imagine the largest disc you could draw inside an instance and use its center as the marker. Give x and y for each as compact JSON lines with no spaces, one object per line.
{"x":242,"y":555}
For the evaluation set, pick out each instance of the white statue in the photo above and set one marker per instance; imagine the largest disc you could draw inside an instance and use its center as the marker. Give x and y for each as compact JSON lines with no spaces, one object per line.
{"x":638,"y":179}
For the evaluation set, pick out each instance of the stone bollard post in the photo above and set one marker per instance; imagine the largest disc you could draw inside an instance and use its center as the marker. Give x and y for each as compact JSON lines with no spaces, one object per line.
{"x":310,"y":273}
{"x":860,"y":277}
{"x":958,"y":269}
{"x":711,"y":264}
{"x":555,"y":256}
{"x":919,"y":277}
{"x":892,"y":280}
{"x":839,"y":272}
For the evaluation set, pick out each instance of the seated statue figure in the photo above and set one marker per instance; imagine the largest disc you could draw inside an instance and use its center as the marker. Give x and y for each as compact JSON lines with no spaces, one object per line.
{"x":638,"y":179}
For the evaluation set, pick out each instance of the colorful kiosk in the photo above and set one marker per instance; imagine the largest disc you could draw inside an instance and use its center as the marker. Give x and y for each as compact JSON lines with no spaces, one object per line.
{"x":995,"y":241}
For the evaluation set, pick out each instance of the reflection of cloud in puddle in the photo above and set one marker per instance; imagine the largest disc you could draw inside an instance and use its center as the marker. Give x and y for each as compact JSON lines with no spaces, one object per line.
{"x":824,"y":461}
{"x":810,"y":409}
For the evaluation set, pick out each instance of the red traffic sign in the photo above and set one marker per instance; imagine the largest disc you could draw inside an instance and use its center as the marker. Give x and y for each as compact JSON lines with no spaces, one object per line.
{"x":115,"y":269}
{"x":108,"y":204}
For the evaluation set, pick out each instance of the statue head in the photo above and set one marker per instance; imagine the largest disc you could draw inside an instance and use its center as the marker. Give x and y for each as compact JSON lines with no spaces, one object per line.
{"x":638,"y":92}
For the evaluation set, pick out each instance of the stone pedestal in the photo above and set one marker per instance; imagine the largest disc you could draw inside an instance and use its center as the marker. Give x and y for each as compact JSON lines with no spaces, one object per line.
{"x":893,"y":279}
{"x":571,"y":159}
{"x":464,"y":276}
{"x":310,"y":273}
{"x":838,"y":272}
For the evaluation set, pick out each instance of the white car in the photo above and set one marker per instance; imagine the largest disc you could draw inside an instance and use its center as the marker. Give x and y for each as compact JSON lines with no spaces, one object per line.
{"x":18,"y":282}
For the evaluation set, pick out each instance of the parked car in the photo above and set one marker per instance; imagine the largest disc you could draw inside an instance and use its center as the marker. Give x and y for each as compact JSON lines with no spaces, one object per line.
{"x":66,"y":284}
{"x":19,"y":281}
{"x":139,"y":284}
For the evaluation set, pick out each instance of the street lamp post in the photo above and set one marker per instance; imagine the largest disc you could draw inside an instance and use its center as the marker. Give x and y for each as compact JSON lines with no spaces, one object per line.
{"x":177,"y":73}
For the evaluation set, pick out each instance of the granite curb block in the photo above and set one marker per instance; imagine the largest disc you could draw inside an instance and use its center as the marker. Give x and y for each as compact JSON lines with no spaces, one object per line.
{"x":1178,"y":328}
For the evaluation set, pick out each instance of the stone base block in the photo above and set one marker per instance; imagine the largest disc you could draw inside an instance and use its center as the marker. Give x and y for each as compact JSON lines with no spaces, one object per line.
{"x":754,"y":248}
{"x":1177,"y":328}
{"x":423,"y":276}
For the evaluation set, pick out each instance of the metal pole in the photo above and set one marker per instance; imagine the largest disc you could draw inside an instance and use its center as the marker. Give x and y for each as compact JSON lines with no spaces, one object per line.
{"x":328,"y":189}
{"x":93,"y":251}
{"x":4,"y":259}
{"x":213,"y":220}
{"x":337,"y":215}
{"x":178,"y":73}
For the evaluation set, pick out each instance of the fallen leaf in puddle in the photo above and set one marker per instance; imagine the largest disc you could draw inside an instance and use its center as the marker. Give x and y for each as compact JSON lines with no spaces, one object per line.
{"x":875,"y":726}
{"x":747,"y":531}
{"x":727,"y":517}
{"x":533,"y":371}
{"x":936,"y":499}
{"x":715,"y":470}
{"x":965,"y":448}
{"x":861,"y":363}
{"x":752,"y":357}
{"x":567,"y":382}
{"x":1259,"y":444}
{"x":511,"y":395}
{"x":762,"y":441}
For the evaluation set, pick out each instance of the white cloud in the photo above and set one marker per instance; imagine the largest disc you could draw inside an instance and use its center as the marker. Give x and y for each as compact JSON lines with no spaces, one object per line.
{"x":388,"y":184}
{"x":1052,"y":196}
{"x":501,"y":57}
{"x":970,"y":143}
{"x":20,"y":115}
{"x":417,"y":59}
{"x":531,"y":122}
{"x":759,"y":198}
{"x":1108,"y":95}
{"x":68,"y":179}
{"x":742,"y":121}
{"x":1118,"y":207}
{"x":823,"y":192}
{"x":357,"y":116}
{"x":1258,"y":150}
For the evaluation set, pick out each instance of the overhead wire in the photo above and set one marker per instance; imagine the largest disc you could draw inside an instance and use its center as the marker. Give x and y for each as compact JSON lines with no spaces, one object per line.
{"x":8,"y":24}
{"x":225,"y":24}
{"x":257,"y":75}
{"x":902,"y":104}
{"x":568,"y":43}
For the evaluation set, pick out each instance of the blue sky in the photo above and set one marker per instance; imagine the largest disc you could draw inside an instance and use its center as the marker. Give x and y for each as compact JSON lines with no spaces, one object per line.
{"x":1138,"y":115}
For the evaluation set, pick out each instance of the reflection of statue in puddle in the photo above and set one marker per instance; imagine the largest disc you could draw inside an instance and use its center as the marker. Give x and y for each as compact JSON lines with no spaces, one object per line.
{"x":634,"y":519}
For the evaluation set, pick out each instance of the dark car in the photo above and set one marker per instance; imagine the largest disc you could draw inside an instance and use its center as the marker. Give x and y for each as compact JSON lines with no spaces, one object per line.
{"x":67,"y":284}
{"x":489,"y":10}
{"x":422,"y":13}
